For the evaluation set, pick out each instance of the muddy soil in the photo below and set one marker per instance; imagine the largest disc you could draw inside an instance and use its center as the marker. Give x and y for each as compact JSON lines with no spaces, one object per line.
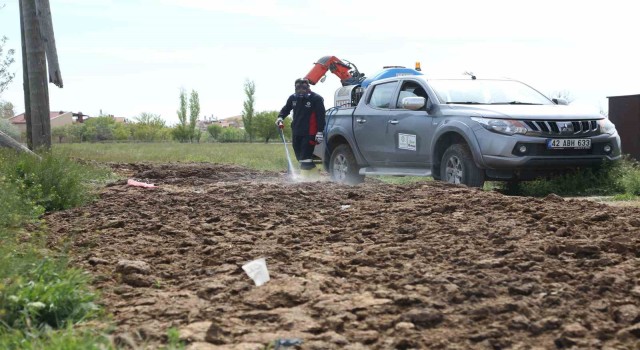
{"x":375,"y":266}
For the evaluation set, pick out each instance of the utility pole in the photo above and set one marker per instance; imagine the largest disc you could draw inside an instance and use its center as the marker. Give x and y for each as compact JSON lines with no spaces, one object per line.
{"x":46,"y":28}
{"x":38,"y":46}
{"x":25,"y":80}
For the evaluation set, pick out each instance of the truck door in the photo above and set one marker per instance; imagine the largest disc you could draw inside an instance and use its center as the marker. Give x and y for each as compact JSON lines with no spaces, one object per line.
{"x":370,"y":125}
{"x":410,"y":132}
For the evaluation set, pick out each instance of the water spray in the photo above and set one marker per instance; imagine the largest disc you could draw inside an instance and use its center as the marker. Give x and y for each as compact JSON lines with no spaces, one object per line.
{"x":290,"y":170}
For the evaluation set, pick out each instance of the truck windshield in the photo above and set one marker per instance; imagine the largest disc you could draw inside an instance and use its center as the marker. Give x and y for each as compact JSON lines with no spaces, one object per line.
{"x":480,"y":91}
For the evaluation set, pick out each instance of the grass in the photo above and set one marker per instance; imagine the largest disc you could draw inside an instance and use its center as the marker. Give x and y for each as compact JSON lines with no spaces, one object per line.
{"x":402,"y":180}
{"x":259,"y":156}
{"x":68,"y":338}
{"x":621,"y":180}
{"x":173,"y":340}
{"x":630,"y":177}
{"x":47,"y":294}
{"x":41,"y":298}
{"x":53,"y":183}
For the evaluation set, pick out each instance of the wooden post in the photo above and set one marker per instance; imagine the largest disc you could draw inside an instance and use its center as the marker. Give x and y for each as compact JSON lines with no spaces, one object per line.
{"x":37,"y":73}
{"x":25,"y":80}
{"x":7,"y":141}
{"x":46,"y":29}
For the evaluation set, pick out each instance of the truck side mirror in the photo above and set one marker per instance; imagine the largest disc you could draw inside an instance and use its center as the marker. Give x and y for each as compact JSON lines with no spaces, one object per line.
{"x":413,"y":103}
{"x":429,"y":106}
{"x":560,"y":101}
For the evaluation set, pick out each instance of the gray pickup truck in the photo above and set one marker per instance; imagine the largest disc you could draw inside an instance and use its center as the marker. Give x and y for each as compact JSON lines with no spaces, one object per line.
{"x":462,"y":131}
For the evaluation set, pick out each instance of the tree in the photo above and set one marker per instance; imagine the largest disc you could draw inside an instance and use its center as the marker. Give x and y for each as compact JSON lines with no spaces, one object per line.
{"x":181,"y":131}
{"x":6,"y":110}
{"x":232,"y":135}
{"x":148,"y":127}
{"x":215,"y":130}
{"x":6,"y":76}
{"x":249,"y":108}
{"x":186,"y":130}
{"x":194,"y":112}
{"x":7,"y":138}
{"x":182,"y":112}
{"x":121,"y":132}
{"x":61,"y":132}
{"x":100,"y":129}
{"x":265,"y":125}
{"x":150,"y":119}
{"x":77,"y":132}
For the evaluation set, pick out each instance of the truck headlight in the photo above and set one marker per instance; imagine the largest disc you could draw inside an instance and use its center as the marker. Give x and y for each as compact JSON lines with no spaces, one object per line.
{"x":502,"y":126}
{"x":606,"y":126}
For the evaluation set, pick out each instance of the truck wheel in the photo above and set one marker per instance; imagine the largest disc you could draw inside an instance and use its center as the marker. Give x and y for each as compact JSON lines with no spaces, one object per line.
{"x":435,"y":172}
{"x":458,"y":167}
{"x":343,"y":167}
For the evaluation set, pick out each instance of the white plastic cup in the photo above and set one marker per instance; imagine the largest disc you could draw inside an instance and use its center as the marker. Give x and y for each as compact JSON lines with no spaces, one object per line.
{"x":257,"y":271}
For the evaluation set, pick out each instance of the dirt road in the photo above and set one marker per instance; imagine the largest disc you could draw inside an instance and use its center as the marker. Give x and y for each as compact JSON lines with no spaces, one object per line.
{"x":375,"y":266}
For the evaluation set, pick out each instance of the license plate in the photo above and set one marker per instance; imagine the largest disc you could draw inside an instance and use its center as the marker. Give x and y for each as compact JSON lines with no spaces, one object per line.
{"x":569,"y":143}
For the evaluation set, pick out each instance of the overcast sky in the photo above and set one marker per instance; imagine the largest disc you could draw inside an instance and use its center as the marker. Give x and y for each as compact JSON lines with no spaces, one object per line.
{"x":124,"y":57}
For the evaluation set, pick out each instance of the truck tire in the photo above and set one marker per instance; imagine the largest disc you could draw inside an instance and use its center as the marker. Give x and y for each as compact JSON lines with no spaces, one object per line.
{"x":435,"y":172}
{"x":343,"y":167}
{"x":458,"y":167}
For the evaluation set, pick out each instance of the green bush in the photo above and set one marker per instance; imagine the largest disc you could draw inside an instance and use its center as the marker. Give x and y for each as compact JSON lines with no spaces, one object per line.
{"x":214,"y":130}
{"x":54,"y":183}
{"x":612,"y":179}
{"x":47,"y":295}
{"x":630,"y":179}
{"x":65,"y":339}
{"x":15,"y":209}
{"x":40,"y":297}
{"x":232,"y":135}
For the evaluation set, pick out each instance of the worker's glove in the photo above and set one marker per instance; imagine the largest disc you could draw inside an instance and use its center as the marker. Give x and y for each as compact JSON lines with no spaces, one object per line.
{"x":319,"y":138}
{"x":280,"y":122}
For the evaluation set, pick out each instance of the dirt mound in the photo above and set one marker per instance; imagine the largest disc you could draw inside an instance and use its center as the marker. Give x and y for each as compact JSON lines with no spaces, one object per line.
{"x":377,"y":266}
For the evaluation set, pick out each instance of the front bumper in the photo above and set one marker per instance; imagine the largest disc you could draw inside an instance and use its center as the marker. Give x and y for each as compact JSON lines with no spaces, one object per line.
{"x":501,"y":152}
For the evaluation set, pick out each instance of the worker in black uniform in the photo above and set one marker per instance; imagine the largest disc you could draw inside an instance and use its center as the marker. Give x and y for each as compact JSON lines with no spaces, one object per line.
{"x":307,"y":125}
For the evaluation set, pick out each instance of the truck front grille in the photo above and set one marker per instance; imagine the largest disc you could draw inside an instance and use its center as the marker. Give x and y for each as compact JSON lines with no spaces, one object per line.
{"x":563,"y":128}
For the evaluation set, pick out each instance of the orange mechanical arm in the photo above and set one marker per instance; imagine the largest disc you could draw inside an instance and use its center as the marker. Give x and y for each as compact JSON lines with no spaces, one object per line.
{"x":329,"y":63}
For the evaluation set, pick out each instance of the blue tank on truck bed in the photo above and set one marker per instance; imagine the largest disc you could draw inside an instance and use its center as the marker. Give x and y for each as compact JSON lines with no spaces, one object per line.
{"x":390,"y":72}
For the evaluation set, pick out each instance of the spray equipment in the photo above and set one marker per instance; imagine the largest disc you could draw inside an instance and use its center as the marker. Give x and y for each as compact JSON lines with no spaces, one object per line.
{"x":290,"y":170}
